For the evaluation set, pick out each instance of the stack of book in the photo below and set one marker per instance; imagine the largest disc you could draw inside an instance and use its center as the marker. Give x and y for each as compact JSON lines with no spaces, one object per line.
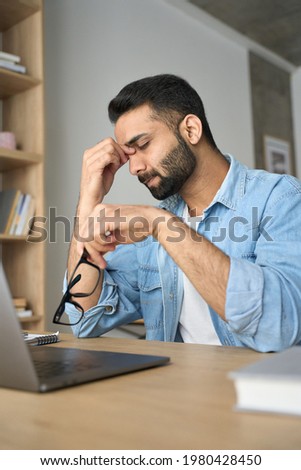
{"x":16,"y":212}
{"x":11,"y":62}
{"x":20,"y":304}
{"x":272,"y":384}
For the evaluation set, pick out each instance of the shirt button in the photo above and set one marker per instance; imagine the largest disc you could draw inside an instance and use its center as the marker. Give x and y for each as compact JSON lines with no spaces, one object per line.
{"x":108,"y":308}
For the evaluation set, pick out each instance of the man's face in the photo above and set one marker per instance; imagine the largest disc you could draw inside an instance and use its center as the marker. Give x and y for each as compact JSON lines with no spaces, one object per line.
{"x":163,"y":161}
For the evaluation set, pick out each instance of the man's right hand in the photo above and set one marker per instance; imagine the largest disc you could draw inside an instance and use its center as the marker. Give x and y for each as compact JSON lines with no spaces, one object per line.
{"x":100,"y":164}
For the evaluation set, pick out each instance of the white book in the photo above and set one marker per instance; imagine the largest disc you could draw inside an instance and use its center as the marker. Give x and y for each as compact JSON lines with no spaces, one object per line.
{"x":10,"y":57}
{"x":24,"y":313}
{"x":29,"y":216}
{"x":272,"y":384}
{"x":23,"y":215}
{"x":6,"y":64}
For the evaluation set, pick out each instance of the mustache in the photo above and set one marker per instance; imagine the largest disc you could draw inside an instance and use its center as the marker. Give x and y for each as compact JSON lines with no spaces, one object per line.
{"x":147,"y":176}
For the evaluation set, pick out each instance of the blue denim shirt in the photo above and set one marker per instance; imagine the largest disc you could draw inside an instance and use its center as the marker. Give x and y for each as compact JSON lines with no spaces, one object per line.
{"x":255,"y":218}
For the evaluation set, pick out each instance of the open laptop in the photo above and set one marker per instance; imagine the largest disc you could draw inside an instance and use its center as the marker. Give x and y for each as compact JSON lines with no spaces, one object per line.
{"x":44,"y":368}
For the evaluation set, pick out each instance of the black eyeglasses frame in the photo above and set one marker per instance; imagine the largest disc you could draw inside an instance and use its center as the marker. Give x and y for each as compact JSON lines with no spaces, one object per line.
{"x":68,"y":297}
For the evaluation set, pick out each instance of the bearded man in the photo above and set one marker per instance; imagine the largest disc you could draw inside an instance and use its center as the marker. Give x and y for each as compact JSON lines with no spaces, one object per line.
{"x":216,"y":262}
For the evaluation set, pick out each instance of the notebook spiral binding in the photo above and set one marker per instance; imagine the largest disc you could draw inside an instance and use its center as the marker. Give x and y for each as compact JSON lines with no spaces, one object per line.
{"x":40,"y":340}
{"x":46,"y":339}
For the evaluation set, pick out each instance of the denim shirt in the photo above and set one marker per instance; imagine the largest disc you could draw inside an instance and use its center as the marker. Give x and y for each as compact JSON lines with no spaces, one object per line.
{"x":255,"y":218}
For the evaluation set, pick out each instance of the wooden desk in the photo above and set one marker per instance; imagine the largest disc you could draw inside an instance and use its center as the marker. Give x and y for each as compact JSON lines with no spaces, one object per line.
{"x":187,"y":404}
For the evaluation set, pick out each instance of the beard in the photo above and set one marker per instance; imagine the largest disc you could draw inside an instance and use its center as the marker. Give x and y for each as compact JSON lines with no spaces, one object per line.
{"x":178,"y":166}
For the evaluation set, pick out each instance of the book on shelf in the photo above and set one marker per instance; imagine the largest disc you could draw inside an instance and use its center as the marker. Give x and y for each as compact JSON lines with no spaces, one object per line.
{"x":17,"y":214}
{"x":29,"y":217}
{"x":10,"y":57}
{"x":11,"y":62}
{"x":21,"y":210}
{"x":21,"y":309}
{"x":26,"y":216}
{"x":23,"y":313}
{"x":272,"y":384}
{"x":6,"y":64}
{"x":8,"y":203}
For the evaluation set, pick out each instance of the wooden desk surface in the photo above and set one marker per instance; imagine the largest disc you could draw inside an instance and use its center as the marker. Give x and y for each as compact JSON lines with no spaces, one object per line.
{"x":187,"y":404}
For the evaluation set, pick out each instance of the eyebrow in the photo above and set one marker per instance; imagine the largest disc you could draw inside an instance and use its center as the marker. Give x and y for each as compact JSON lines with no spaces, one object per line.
{"x":135,"y":139}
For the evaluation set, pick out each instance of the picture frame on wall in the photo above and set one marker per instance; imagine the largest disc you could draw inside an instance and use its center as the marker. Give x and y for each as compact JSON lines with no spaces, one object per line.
{"x":277,"y":155}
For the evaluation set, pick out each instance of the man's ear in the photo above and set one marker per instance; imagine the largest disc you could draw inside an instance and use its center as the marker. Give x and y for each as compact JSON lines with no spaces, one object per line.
{"x":191,"y":129}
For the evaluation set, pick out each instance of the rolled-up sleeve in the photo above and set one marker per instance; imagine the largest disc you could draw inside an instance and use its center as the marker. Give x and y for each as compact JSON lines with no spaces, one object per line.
{"x":118,"y":302}
{"x":244,"y":296}
{"x":263,"y":297}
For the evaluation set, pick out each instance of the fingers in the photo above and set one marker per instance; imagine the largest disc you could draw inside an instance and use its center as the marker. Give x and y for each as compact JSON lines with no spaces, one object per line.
{"x":95,"y":240}
{"x":96,"y":252}
{"x":108,"y":151}
{"x":100,"y":163}
{"x":128,"y":150}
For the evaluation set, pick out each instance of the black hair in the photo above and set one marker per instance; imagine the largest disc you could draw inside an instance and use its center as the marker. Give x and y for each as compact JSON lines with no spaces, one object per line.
{"x":170,"y":98}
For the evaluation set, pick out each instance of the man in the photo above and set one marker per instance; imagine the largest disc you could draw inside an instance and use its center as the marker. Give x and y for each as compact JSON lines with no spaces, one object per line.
{"x":217,"y":262}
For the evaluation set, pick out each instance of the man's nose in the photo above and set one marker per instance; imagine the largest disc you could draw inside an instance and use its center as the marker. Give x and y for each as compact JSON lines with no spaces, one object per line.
{"x":136,"y":164}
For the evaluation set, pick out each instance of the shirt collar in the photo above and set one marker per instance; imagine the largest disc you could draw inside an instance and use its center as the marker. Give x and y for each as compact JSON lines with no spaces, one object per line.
{"x":229,"y":194}
{"x":233,"y":186}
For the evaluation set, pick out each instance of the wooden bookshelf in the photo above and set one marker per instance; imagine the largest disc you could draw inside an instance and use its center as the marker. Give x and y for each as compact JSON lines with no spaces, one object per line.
{"x":12,"y":238}
{"x":21,"y":26}
{"x":12,"y":83}
{"x":12,"y":159}
{"x":14,"y":11}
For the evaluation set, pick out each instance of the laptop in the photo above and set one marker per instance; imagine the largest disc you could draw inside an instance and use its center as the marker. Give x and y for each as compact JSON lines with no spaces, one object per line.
{"x":45,"y":368}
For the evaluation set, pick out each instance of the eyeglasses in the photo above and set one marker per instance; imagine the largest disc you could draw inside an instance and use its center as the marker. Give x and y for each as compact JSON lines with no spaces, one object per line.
{"x":72,"y":293}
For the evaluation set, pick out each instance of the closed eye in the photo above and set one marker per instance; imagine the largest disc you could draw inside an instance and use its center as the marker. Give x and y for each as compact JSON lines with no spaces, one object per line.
{"x":143,"y":146}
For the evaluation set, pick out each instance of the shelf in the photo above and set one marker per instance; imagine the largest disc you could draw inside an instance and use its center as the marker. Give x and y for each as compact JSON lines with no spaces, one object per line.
{"x":12,"y":83}
{"x":32,"y":319}
{"x":12,"y":159}
{"x":22,"y":112}
{"x":12,"y":238}
{"x":14,"y":11}
{"x":18,"y":238}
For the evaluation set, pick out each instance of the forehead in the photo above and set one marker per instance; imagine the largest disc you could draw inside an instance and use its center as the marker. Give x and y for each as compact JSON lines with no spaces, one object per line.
{"x":135,"y":122}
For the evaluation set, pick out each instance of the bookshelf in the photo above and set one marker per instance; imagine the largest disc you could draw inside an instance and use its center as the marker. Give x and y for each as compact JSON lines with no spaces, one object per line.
{"x":21,"y":28}
{"x":10,"y":84}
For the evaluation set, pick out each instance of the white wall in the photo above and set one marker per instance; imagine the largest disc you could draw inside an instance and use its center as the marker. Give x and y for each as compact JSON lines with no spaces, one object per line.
{"x":95,"y":47}
{"x":296,"y":104}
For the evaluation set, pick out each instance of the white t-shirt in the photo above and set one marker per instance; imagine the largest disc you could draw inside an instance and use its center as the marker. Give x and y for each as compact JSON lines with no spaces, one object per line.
{"x":195,"y":320}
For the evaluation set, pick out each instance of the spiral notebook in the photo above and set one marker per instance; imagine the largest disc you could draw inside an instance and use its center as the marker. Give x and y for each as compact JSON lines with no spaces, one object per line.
{"x":40,"y":340}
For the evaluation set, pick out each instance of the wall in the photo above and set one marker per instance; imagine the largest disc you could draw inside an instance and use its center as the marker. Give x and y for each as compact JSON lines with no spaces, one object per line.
{"x":271,"y":107}
{"x":95,"y":47}
{"x":296,"y":105}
